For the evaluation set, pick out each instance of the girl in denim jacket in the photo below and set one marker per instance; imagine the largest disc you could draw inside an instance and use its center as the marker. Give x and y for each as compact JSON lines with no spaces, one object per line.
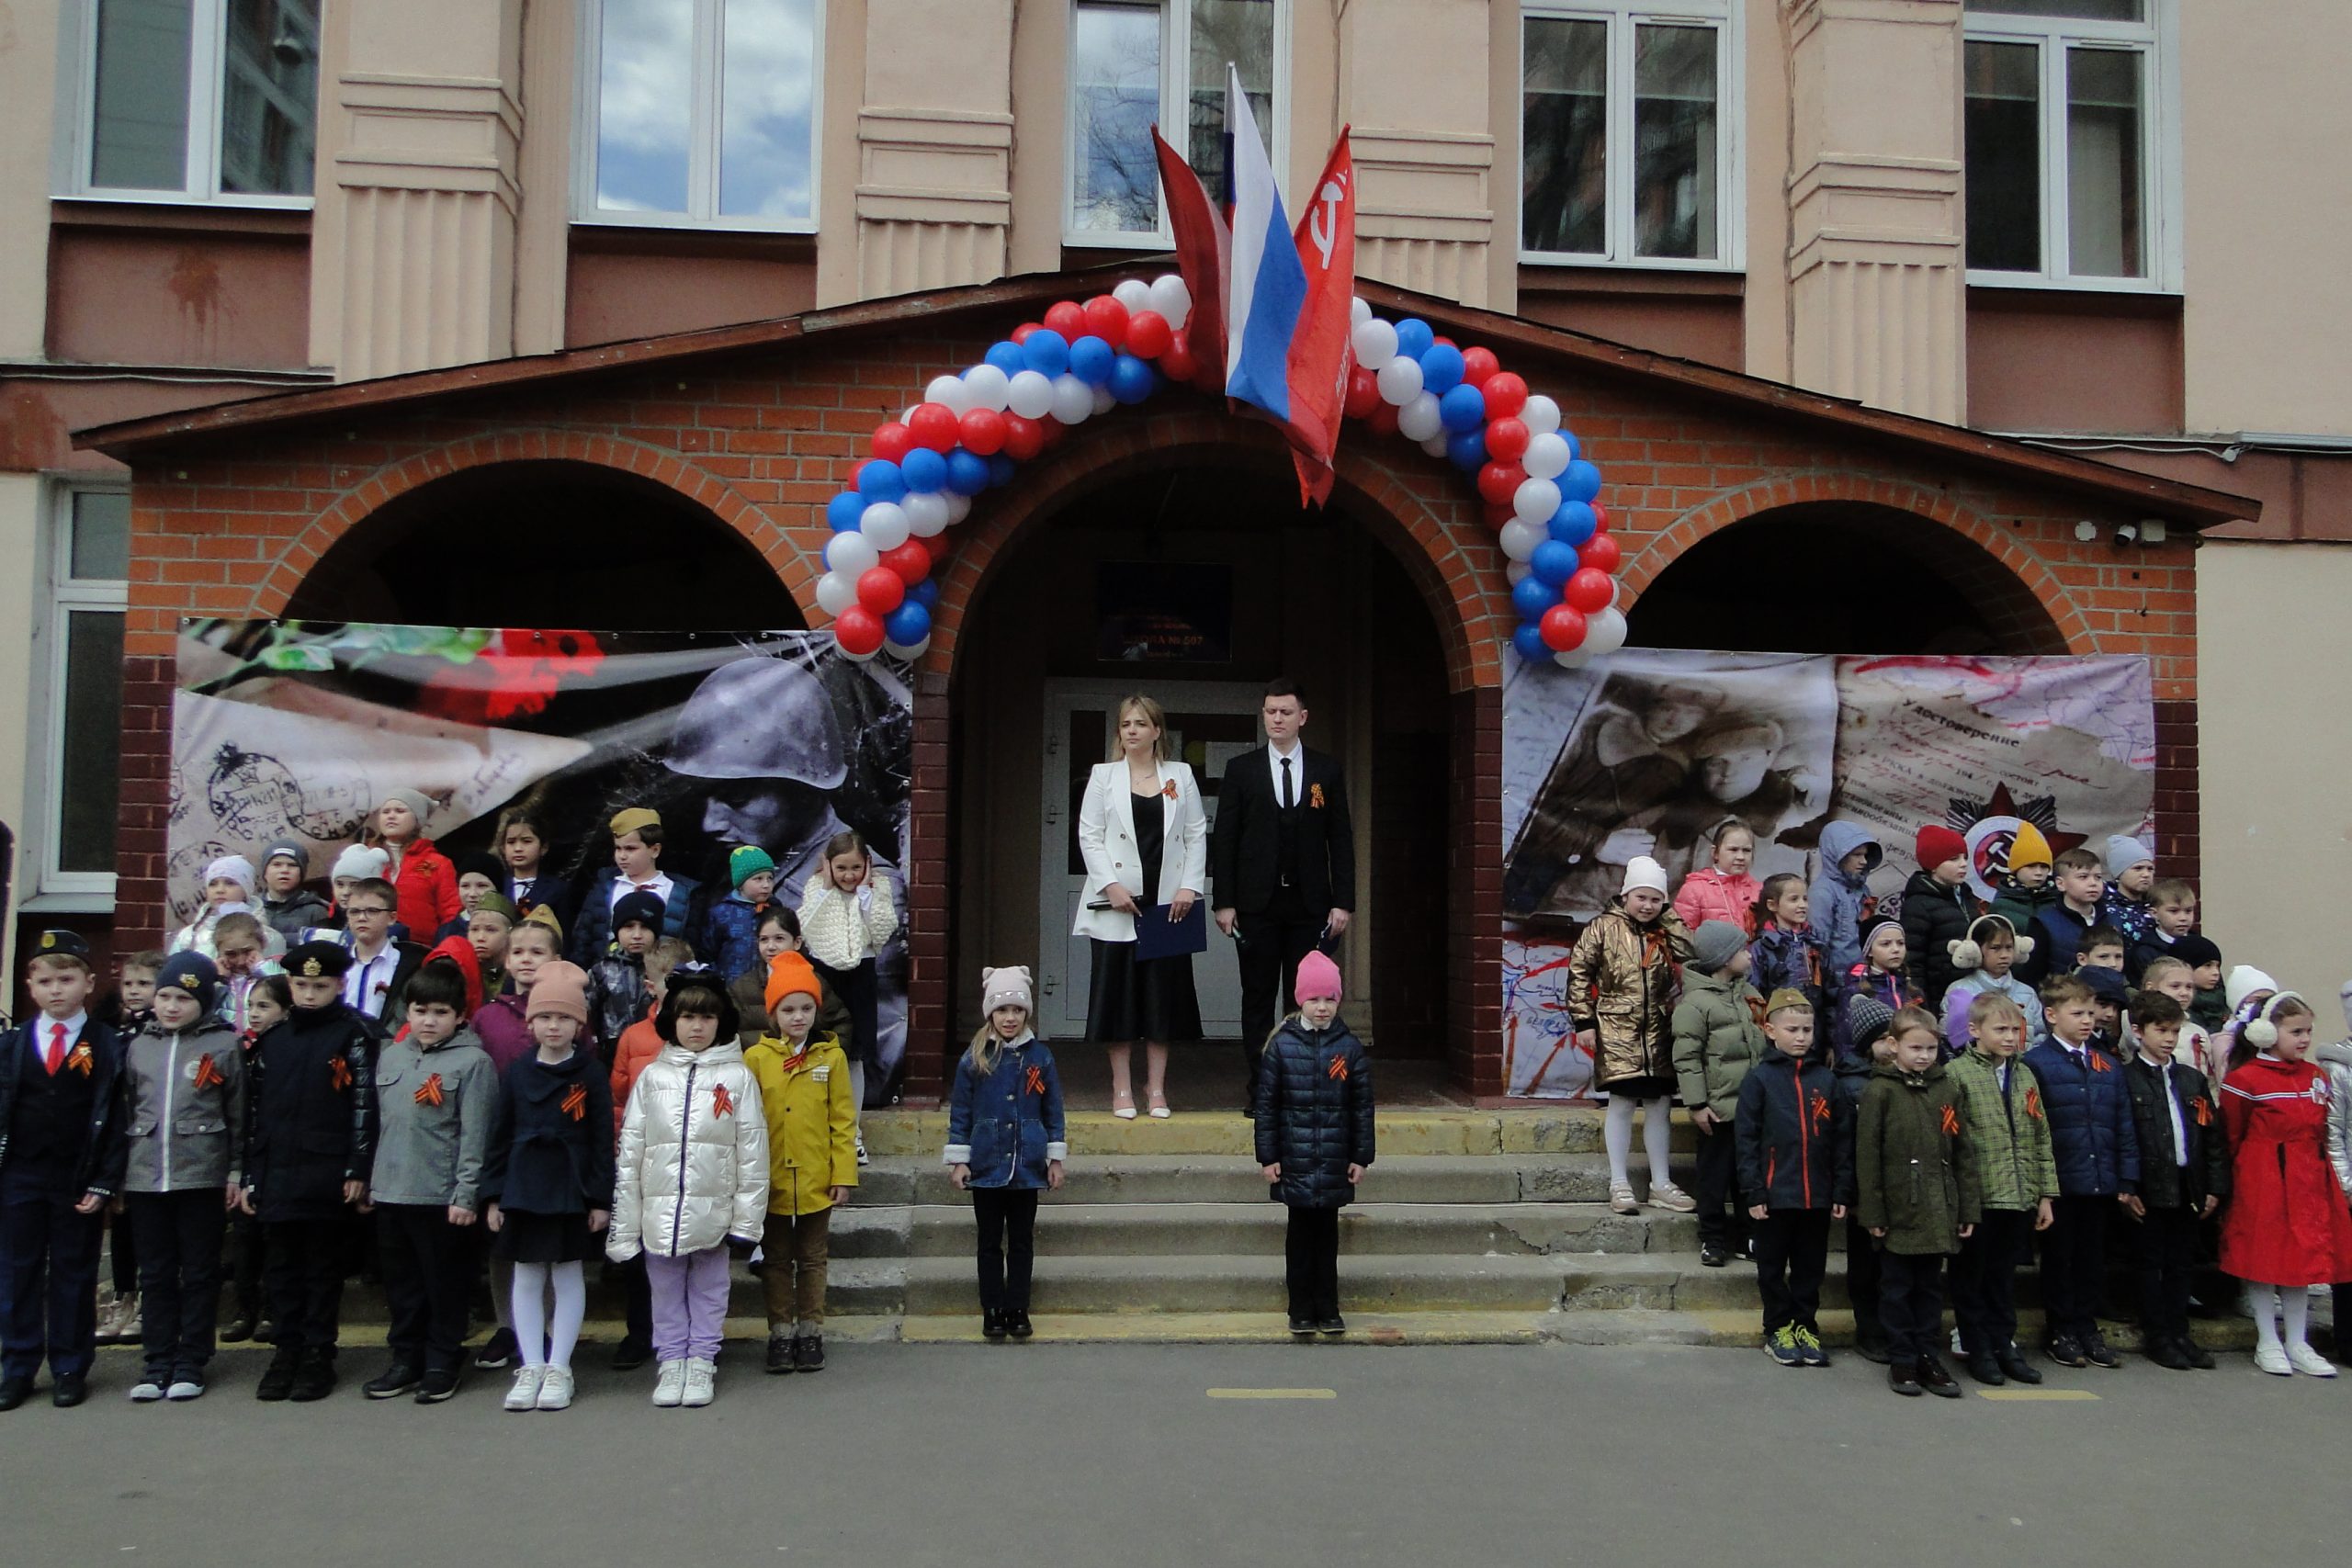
{"x":1005,"y":1144}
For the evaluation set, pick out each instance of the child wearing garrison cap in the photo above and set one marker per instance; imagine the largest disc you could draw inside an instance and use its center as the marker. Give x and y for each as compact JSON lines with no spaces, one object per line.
{"x":1315,"y":1137}
{"x":1718,"y":1036}
{"x":229,"y":884}
{"x":1987,"y":958}
{"x":731,"y":932}
{"x":812,"y":1157}
{"x":1795,"y":1167}
{"x":290,"y":909}
{"x":2127,"y":902}
{"x":1006,"y":1147}
{"x":2025,"y":888}
{"x":1879,"y":976}
{"x":636,"y":868}
{"x":1621,"y":983}
{"x":1938,"y":909}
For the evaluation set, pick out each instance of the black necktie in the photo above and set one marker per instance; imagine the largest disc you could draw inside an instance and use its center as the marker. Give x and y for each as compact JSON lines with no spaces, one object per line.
{"x":1289,"y":799}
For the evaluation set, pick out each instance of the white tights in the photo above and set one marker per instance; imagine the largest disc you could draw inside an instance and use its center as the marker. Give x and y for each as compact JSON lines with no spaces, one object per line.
{"x":2269,"y":1302}
{"x":547,"y":1342}
{"x":1657,"y":1130}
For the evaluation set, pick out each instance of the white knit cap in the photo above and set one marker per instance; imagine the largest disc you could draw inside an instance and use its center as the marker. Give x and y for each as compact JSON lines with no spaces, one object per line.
{"x":359,"y":861}
{"x":1007,"y":987}
{"x":2242,"y":982}
{"x":1643,"y":872}
{"x":236,"y":868}
{"x":2124,"y":852}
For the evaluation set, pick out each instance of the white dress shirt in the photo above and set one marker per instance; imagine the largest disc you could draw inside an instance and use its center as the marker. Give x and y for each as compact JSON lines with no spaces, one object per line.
{"x":41,"y":1026}
{"x":657,"y":885}
{"x":368,"y":984}
{"x":2172,"y":1103}
{"x":1298,"y":757}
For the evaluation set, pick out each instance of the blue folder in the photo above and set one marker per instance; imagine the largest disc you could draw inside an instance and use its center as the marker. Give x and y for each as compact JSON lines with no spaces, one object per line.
{"x":1157,"y":936}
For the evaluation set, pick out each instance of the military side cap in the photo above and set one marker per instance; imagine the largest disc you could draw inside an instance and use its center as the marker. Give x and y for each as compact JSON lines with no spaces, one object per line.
{"x":317,"y":961}
{"x":1787,"y":998}
{"x":61,"y":944}
{"x":633,"y":819}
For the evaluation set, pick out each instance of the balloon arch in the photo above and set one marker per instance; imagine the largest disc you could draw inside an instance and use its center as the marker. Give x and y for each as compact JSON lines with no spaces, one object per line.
{"x":973,"y":429}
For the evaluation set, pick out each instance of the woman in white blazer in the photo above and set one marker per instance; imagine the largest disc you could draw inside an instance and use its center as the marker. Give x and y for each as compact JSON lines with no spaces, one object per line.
{"x":1145,"y":840}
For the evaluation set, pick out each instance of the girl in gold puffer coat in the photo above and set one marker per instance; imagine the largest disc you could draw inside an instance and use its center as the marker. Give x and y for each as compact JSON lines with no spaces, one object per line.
{"x":1623,"y":980}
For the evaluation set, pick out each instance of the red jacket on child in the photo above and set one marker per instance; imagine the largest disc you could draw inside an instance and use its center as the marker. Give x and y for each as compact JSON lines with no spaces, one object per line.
{"x":427,"y":883}
{"x":2287,"y":1223}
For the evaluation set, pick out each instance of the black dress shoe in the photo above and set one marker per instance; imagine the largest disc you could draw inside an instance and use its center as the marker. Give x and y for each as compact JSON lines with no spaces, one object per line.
{"x":2166,"y":1354}
{"x":2195,"y":1355}
{"x":1017,"y":1324}
{"x":1712,"y":1256}
{"x":237,"y":1330}
{"x":1936,"y":1380}
{"x":992,"y":1325}
{"x":392,"y":1383}
{"x":1302,"y":1327}
{"x":808,"y":1353}
{"x":1986,"y":1368}
{"x":70,"y":1390}
{"x":2016,"y":1366}
{"x":1333,"y":1325}
{"x":497,"y":1352}
{"x":14,"y":1392}
{"x":1903,"y":1379}
{"x":780,"y":1352}
{"x":1872,"y":1348}
{"x":277,"y":1382}
{"x":631,"y":1353}
{"x":437,"y":1387}
{"x":313,"y":1378}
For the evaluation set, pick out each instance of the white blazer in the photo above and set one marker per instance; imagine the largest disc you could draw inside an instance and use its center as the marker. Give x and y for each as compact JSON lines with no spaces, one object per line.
{"x":1106,"y":837}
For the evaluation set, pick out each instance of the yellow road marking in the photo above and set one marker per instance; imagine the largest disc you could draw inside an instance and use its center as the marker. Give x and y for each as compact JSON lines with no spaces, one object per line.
{"x":1273,"y":1394}
{"x":2045,"y":1395}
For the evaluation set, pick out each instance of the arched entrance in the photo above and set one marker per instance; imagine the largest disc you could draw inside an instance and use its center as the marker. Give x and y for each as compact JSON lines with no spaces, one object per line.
{"x":1193,"y":575}
{"x":546,"y":543}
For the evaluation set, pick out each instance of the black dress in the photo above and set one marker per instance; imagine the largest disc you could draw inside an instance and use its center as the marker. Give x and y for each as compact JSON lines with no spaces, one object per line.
{"x":1129,"y":1000}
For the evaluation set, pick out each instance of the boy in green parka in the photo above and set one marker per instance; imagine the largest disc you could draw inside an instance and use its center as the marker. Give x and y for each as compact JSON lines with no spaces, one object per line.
{"x":2001,"y":1107}
{"x":1718,"y":1036}
{"x":1919,"y":1196}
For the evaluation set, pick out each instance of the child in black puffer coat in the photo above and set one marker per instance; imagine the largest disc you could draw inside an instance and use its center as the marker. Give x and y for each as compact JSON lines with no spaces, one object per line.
{"x":1315,"y":1138}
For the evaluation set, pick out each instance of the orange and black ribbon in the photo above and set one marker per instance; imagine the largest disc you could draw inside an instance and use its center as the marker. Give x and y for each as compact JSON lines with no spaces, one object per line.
{"x":429,"y":1092}
{"x":1315,"y":797}
{"x":1339,"y":1068}
{"x":1036,"y":1079}
{"x":1952,"y":1123}
{"x":2099,"y":1061}
{"x":80,"y":1059}
{"x":721,"y":1102}
{"x":2204,"y":1111}
{"x":207,"y":1072}
{"x":1820,"y":1109}
{"x":338,"y":1072}
{"x":2033,"y":1103}
{"x":574,"y":1103}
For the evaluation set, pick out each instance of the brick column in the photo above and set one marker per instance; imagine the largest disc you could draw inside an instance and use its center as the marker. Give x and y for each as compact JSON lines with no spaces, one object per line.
{"x":928,"y":972}
{"x":1475,"y":944}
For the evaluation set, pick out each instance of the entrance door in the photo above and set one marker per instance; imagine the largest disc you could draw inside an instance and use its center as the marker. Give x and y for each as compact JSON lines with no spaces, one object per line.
{"x":1208,"y":724}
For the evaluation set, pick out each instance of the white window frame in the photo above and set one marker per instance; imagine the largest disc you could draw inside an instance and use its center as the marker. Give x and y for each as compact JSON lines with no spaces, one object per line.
{"x":62,"y":594}
{"x":2157,"y":42}
{"x":1621,"y":17}
{"x":705,"y":79}
{"x":1175,"y":87}
{"x":206,"y":56}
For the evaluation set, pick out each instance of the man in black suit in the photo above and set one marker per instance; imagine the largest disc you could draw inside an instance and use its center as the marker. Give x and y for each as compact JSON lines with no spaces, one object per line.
{"x":1281,"y":863}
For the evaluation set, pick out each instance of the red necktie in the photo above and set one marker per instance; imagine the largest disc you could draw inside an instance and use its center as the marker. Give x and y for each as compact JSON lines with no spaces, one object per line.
{"x":56,"y":1057}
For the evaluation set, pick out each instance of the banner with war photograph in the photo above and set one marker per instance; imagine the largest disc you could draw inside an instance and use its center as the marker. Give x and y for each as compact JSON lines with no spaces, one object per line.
{"x":284,"y":729}
{"x":1649,"y":751}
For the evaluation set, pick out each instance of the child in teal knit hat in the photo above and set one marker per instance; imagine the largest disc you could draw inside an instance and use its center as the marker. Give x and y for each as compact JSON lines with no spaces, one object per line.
{"x":734,"y":922}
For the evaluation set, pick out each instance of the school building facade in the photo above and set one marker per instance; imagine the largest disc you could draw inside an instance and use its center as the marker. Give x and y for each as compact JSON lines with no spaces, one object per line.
{"x":1964,"y":294}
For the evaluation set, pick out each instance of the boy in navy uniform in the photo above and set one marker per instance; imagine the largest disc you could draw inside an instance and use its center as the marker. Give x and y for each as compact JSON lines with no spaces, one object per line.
{"x":313,"y":1110}
{"x":62,"y":1152}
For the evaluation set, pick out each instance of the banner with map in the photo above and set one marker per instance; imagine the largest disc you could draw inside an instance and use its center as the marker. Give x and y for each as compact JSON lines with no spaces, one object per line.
{"x":1649,"y":751}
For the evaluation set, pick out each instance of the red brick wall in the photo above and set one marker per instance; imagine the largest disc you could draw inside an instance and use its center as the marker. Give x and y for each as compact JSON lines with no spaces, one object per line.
{"x":763,"y":442}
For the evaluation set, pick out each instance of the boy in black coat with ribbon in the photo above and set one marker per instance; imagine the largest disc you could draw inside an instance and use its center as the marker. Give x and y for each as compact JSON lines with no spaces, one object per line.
{"x":1794,"y":1153}
{"x":312,"y":1109}
{"x":2184,"y":1176}
{"x":1313,"y":1108}
{"x":62,"y":1154}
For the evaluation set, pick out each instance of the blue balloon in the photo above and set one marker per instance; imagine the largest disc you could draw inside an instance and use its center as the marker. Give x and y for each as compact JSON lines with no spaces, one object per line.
{"x":1529,"y":641}
{"x":967,"y":474}
{"x":1466,"y":449}
{"x":1047,"y":352}
{"x":925,"y":469}
{"x":880,"y":480}
{"x":1552,"y":564}
{"x":1576,"y":447}
{"x":1007,"y":357}
{"x":1531,"y":597}
{"x":1001,"y":471}
{"x":1441,"y":368}
{"x":1574,"y":524}
{"x":1581,"y":482}
{"x":908,"y":625}
{"x":1464,"y":408}
{"x":1414,"y":337}
{"x":1132,"y":381}
{"x":1091,"y":359}
{"x":925,"y":593}
{"x":844,"y":509}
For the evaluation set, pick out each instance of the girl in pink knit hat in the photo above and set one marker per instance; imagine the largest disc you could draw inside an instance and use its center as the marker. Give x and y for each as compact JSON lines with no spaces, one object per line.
{"x":1314,"y":1139}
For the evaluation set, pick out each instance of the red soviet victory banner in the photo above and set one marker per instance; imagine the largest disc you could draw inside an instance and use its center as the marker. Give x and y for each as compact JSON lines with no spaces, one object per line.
{"x":1319,"y":354}
{"x":1204,"y":244}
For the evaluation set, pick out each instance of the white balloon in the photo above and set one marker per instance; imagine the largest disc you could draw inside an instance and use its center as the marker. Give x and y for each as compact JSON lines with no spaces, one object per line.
{"x":1546,"y":457}
{"x":926,"y":514}
{"x":1400,"y":380}
{"x":1030,"y":394}
{"x":1604,"y":631}
{"x":1104,"y":402}
{"x":1172,"y":297}
{"x":836,"y":591}
{"x":1358,"y":312}
{"x":1520,"y":539}
{"x":1375,"y":342}
{"x":907,"y":414}
{"x":884,"y":524}
{"x":950,"y":392}
{"x":852,"y":554}
{"x":1535,"y":501}
{"x":856,"y":658}
{"x":1516,"y":570}
{"x":1576,"y":658}
{"x":905,"y":655}
{"x":1419,"y":419}
{"x":959,"y":506}
{"x":1134,"y":294}
{"x":988,"y":387}
{"x":1434,"y":446}
{"x":1073,"y":398}
{"x":1541,"y":415}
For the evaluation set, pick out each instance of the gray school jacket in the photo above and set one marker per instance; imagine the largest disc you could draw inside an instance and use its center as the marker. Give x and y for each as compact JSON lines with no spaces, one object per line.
{"x":185,"y":1092}
{"x":433,"y":1111}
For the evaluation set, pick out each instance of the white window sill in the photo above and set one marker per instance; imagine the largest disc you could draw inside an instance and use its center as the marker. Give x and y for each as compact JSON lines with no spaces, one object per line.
{"x":182,"y":198}
{"x":1568,"y":259}
{"x":2037,"y":282}
{"x":70,"y":902}
{"x":675,"y":222}
{"x":1108,"y":240}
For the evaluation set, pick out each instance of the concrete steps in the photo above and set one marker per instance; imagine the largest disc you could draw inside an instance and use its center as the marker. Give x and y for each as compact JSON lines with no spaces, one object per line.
{"x":1570,"y":1129}
{"x":1086,"y":1230}
{"x":1517,"y":1178}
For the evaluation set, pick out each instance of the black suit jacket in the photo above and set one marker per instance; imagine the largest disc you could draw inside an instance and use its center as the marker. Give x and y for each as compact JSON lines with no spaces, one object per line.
{"x":1243,"y":874}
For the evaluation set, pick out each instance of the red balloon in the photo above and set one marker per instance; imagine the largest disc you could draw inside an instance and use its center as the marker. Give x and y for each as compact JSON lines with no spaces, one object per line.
{"x":1500,"y":481}
{"x":892,"y":441}
{"x":1478,"y":366}
{"x":859,"y":629}
{"x":1600,"y":553}
{"x":933,"y":425}
{"x":1562,"y":628}
{"x":1589,"y":589}
{"x":1498,"y":512}
{"x":1384,"y":419}
{"x":1447,"y":341}
{"x":1362,"y":395}
{"x":1178,"y":363}
{"x":1055,"y":430}
{"x":981,"y":431}
{"x":1107,"y":319}
{"x":1505,"y":394}
{"x":1149,"y":334}
{"x":1068,"y":320}
{"x":1023,"y":332}
{"x":935,"y":547}
{"x":1600,"y":518}
{"x":1023,"y":438}
{"x":910,"y":563}
{"x":881,"y":590}
{"x":1507,"y":439}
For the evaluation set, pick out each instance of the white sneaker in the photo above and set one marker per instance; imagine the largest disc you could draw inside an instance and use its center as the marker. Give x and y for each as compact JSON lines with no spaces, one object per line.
{"x":701,"y":1378}
{"x":671,"y":1386}
{"x":555,"y":1391}
{"x":1620,"y":1200}
{"x":2309,"y":1361}
{"x":524,"y":1394}
{"x":864,"y":1159}
{"x":1668,"y":1196}
{"x":2272,"y":1359}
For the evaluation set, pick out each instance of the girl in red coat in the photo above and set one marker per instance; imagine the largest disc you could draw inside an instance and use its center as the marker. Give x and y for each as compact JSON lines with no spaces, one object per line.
{"x":1726,"y":890}
{"x":2287,"y":1228}
{"x":421,"y":874}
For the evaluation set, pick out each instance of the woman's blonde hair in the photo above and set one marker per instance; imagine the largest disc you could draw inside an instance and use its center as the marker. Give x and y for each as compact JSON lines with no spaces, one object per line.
{"x":1150,"y":710}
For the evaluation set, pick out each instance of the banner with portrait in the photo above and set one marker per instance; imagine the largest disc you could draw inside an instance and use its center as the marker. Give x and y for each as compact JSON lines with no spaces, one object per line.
{"x":295,"y":729}
{"x":1650,"y":752}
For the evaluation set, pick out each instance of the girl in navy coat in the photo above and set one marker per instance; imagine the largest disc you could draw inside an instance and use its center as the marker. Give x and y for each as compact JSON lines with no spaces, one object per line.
{"x":1315,"y":1138}
{"x":1005,"y":1144}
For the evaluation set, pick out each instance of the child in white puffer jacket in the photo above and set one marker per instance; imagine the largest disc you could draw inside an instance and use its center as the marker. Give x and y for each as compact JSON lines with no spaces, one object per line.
{"x":691,"y":1177}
